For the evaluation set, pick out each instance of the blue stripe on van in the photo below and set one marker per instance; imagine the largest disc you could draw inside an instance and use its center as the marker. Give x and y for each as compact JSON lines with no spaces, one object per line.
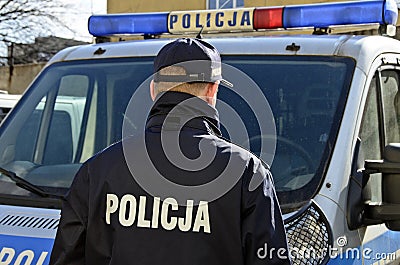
{"x":387,"y":243}
{"x":25,"y":247}
{"x":374,"y":250}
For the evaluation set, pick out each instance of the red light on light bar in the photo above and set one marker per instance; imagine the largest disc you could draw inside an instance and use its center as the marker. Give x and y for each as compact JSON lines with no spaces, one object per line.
{"x":268,"y":18}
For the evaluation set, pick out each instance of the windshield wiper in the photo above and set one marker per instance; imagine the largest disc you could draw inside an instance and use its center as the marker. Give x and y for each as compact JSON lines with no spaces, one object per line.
{"x":22,"y":183}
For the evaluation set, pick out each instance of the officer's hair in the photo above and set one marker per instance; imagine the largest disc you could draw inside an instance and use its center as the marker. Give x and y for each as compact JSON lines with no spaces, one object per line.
{"x":194,"y":88}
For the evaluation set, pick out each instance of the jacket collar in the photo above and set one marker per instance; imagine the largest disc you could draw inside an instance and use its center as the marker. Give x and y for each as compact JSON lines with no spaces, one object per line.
{"x":174,"y":110}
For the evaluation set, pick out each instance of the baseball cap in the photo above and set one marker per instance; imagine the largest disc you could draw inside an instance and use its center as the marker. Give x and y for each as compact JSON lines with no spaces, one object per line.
{"x":201,"y":61}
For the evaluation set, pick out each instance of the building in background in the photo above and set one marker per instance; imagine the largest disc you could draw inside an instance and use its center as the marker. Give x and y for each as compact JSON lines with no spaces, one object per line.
{"x":41,"y":50}
{"x":133,"y":6}
{"x":24,"y":61}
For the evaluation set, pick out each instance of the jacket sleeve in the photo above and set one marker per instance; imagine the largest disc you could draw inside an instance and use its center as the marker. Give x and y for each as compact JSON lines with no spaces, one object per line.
{"x":69,"y":245}
{"x":263,"y":234}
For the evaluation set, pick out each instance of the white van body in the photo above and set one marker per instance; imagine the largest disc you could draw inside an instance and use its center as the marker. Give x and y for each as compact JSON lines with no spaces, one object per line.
{"x":320,"y":225}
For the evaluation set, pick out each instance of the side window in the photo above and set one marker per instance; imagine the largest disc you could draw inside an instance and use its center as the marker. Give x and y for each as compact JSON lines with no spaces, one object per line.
{"x":371,"y":138}
{"x":65,"y":126}
{"x":51,"y":134}
{"x":380,"y":122}
{"x":391,"y":105}
{"x":369,"y":131}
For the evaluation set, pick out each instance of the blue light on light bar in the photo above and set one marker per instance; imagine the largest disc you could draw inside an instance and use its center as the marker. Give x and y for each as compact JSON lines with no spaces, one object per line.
{"x":144,"y":23}
{"x":324,"y":15}
{"x":390,"y":12}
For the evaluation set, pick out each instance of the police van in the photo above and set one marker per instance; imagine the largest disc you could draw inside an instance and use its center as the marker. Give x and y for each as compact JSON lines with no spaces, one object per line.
{"x":334,"y":100}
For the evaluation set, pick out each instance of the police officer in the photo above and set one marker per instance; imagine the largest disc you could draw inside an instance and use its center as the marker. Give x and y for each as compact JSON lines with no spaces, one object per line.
{"x":179,"y":193}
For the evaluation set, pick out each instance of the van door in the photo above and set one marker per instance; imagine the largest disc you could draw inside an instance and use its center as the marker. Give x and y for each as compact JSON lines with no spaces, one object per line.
{"x":380,"y":126}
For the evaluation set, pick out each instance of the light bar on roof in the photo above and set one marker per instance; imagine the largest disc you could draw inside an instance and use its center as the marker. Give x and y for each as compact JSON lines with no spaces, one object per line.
{"x":330,"y":14}
{"x":383,"y":12}
{"x":114,"y":24}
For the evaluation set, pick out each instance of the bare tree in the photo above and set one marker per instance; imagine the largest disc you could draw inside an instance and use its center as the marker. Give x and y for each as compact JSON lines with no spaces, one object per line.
{"x":23,"y":20}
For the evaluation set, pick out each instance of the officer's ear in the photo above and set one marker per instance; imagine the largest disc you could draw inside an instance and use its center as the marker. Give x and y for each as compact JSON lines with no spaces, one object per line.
{"x":152,"y":92}
{"x":211,"y":93}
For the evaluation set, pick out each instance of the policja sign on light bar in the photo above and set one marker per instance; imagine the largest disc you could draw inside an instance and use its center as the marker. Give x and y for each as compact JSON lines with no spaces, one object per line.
{"x":213,"y":21}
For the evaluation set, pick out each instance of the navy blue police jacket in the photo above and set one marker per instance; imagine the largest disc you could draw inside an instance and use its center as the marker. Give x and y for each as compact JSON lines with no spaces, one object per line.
{"x":144,"y":201}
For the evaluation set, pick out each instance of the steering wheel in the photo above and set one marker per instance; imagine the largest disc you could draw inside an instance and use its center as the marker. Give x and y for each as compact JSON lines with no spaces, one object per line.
{"x":297,"y":149}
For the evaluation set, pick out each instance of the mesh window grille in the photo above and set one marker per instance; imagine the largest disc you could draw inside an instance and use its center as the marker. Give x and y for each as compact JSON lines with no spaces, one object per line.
{"x":309,"y":236}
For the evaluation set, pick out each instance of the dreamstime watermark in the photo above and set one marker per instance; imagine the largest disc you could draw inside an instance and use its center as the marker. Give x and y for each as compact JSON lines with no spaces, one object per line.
{"x":144,"y":169}
{"x":305,"y":253}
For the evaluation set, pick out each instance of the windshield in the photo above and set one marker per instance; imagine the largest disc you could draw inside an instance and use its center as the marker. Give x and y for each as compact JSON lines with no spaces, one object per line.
{"x":75,"y":109}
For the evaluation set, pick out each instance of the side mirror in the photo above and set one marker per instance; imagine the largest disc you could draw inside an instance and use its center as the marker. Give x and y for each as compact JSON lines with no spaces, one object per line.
{"x":387,"y":211}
